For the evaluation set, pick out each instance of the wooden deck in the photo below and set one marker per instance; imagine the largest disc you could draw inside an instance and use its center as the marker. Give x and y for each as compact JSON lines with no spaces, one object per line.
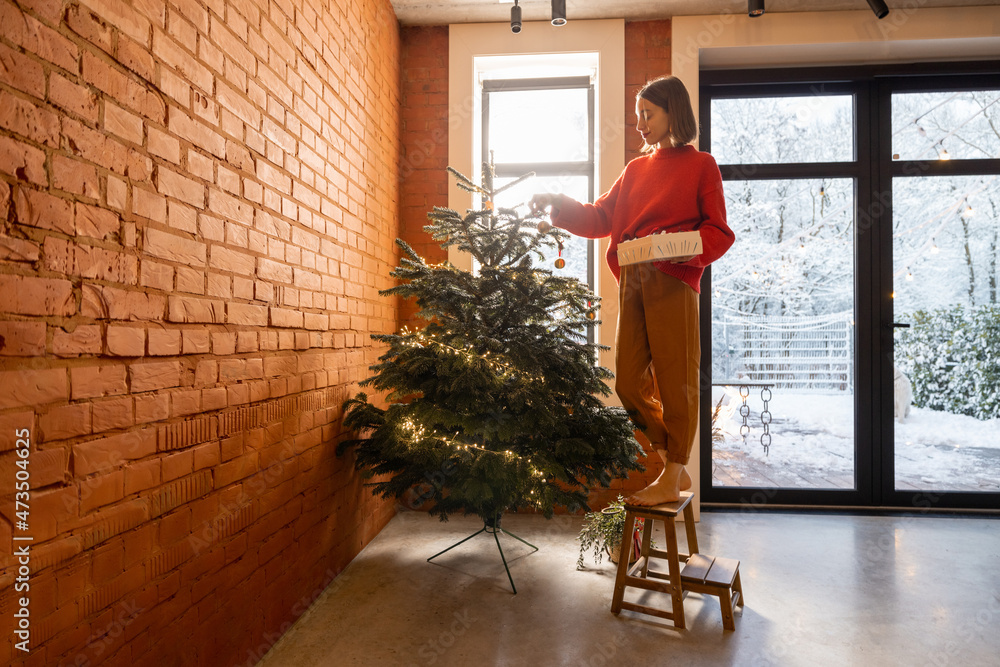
{"x":738,"y":469}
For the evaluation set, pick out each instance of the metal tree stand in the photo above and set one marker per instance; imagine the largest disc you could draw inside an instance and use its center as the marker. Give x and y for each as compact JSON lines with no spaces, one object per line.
{"x":492,"y":529}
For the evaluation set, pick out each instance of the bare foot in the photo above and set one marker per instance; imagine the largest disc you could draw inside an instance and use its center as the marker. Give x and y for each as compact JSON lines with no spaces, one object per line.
{"x":685,"y":480}
{"x":664,"y":489}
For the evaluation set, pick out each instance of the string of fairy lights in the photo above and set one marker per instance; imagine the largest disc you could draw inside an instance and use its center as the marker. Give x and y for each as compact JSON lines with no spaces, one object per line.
{"x":418,"y":433}
{"x":961,"y":205}
{"x":944,"y":217}
{"x":795,"y":242}
{"x":419,"y":339}
{"x":940,"y":152}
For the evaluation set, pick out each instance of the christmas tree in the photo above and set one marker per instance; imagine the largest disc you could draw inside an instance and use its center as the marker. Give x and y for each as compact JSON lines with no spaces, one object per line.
{"x":495,"y":404}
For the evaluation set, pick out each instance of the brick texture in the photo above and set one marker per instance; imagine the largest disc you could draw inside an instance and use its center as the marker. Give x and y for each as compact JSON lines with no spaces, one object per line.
{"x":198,"y":202}
{"x":647,"y":56}
{"x":424,"y":158}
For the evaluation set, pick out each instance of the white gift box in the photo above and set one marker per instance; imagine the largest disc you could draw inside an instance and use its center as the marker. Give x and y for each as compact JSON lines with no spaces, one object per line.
{"x":655,"y":247}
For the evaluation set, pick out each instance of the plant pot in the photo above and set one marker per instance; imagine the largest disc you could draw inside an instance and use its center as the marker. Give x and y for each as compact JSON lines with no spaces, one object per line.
{"x":602,"y":530}
{"x":614,"y":549}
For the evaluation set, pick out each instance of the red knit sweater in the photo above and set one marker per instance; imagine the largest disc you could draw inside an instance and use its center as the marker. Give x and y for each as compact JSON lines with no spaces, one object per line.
{"x":675,"y":190}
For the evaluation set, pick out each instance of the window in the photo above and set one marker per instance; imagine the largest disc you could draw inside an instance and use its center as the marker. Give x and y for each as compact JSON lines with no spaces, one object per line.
{"x":538,"y":115}
{"x":544,"y":126}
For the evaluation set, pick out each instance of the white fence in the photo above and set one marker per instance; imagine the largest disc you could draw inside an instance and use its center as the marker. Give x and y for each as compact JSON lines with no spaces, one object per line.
{"x":805,"y":354}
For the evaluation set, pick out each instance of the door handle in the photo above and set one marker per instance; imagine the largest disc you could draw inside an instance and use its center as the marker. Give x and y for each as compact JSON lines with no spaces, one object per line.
{"x":900,"y":325}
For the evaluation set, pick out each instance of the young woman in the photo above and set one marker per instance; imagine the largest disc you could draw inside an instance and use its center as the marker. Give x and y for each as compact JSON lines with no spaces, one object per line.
{"x":673,"y":188}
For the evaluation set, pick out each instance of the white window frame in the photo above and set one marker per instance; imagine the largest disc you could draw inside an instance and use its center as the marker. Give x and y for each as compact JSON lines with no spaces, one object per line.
{"x":607,"y":38}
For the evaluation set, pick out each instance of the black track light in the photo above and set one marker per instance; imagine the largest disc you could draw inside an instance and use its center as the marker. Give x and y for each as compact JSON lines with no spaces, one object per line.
{"x":755,"y":8}
{"x":558,"y":12}
{"x":515,"y":18}
{"x":879,"y":7}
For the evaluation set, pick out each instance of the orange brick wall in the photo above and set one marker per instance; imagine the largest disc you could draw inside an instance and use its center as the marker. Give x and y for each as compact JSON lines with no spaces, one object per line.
{"x":197,"y":205}
{"x":423,"y":178}
{"x":647,"y":56}
{"x":424,"y":151}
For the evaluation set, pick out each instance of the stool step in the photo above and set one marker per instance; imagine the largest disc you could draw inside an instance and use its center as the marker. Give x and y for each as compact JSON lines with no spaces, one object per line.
{"x":704,"y":569}
{"x":664,"y":510}
{"x":720,"y":577}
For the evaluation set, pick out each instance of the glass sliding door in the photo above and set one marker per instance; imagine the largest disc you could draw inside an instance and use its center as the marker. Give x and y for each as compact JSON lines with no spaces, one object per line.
{"x":782,"y":299}
{"x":945,"y":275}
{"x":851,"y":336}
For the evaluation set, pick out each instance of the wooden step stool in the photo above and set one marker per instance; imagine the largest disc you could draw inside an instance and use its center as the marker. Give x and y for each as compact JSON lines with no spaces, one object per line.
{"x":701,"y":573}
{"x":715,"y":576}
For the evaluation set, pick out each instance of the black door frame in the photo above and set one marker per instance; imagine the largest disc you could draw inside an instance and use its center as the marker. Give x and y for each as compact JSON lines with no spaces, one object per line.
{"x":872,"y":171}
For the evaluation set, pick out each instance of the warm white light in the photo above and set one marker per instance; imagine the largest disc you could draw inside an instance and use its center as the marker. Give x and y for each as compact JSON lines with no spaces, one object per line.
{"x":934,"y":249}
{"x":909,"y":276}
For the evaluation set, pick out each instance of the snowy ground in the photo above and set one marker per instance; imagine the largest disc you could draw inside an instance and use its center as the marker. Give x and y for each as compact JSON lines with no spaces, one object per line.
{"x":812,"y":437}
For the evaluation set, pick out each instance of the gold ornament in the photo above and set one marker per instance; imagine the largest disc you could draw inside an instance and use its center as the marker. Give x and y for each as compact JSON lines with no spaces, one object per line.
{"x":544,"y":227}
{"x":591,"y":315}
{"x":560,"y":263}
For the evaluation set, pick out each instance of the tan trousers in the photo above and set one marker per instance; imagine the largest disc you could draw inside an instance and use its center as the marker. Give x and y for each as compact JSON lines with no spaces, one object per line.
{"x":658,"y":352}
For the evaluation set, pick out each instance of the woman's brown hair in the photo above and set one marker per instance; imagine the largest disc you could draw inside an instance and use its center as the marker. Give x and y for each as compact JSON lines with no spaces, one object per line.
{"x":669,"y":93}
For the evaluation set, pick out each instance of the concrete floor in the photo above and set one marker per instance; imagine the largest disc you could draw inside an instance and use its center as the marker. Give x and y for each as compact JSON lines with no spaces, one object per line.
{"x":821,"y":589}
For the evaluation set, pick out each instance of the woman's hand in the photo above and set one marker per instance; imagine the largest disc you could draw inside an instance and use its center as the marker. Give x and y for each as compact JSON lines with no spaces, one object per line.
{"x":540,"y":202}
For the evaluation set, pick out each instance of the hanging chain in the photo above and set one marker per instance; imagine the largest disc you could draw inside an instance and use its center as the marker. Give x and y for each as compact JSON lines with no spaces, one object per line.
{"x":765,"y":419}
{"x":744,"y":412}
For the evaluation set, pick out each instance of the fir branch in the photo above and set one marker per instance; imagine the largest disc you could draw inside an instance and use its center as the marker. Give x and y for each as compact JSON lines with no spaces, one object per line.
{"x":518,"y":180}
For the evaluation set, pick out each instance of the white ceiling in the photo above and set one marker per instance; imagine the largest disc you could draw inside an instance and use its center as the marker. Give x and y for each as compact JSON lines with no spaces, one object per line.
{"x":441,"y":12}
